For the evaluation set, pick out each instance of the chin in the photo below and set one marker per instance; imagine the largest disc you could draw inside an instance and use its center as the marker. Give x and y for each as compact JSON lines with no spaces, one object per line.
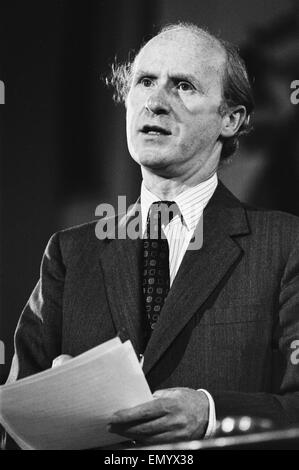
{"x":153,"y":160}
{"x":152,"y":156}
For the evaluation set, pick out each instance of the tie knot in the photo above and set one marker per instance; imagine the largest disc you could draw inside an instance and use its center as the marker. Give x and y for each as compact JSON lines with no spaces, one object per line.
{"x":165,"y":208}
{"x":160,"y":214}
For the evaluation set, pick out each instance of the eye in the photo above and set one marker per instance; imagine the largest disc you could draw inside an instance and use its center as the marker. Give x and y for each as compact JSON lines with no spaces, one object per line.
{"x":185,"y":86}
{"x":146,"y":82}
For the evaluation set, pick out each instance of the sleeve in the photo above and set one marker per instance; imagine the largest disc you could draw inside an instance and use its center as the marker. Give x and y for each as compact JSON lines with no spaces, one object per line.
{"x":281,"y":407}
{"x":38,"y":334}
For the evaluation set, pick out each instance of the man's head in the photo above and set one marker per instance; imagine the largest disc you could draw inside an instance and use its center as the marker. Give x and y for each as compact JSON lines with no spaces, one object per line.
{"x":188,"y":99}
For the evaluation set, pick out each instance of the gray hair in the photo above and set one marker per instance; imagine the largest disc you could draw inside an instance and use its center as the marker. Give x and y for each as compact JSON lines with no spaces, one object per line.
{"x":236,"y":88}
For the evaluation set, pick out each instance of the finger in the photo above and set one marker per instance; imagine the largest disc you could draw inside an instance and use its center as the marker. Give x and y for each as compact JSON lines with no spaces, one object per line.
{"x":174,"y":392}
{"x":163,"y":438}
{"x":139,"y":430}
{"x":145,"y":412}
{"x":62,"y":359}
{"x":166,"y":392}
{"x":160,"y":439}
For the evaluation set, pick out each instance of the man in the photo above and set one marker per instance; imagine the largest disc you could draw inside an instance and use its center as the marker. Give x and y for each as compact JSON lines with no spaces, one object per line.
{"x":220,"y":341}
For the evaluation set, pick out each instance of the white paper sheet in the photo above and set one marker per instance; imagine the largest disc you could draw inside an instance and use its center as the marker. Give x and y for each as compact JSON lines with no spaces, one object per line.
{"x":68,"y":407}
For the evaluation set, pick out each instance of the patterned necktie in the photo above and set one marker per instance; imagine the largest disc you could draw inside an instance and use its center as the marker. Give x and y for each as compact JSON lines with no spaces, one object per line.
{"x":156,"y":279}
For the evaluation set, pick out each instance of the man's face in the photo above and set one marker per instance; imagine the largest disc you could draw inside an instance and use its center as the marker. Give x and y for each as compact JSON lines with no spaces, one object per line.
{"x":173,"y":120}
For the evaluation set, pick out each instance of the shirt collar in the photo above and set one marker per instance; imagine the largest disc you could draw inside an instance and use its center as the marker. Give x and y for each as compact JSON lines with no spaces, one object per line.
{"x":191,"y":202}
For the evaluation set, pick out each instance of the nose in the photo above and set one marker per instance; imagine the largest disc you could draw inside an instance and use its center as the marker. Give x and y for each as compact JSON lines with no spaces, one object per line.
{"x":158,"y":102}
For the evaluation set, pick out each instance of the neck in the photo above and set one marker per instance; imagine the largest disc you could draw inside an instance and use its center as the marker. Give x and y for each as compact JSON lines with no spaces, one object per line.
{"x":167,"y":186}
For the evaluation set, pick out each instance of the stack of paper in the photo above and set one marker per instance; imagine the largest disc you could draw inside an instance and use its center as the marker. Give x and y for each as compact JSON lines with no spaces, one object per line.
{"x":68,"y":407}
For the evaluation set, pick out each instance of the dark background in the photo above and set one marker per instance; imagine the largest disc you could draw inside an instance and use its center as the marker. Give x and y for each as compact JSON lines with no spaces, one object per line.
{"x":62,"y":140}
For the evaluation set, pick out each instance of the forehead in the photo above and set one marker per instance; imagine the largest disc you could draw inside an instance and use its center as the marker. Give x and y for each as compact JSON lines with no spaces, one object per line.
{"x":181,"y":51}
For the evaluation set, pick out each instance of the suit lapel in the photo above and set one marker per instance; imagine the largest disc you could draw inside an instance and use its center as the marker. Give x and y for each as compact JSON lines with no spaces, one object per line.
{"x":120,"y":263}
{"x":201,"y":271}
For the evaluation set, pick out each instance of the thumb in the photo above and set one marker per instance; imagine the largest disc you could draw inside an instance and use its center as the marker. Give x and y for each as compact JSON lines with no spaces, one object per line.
{"x":62,"y":359}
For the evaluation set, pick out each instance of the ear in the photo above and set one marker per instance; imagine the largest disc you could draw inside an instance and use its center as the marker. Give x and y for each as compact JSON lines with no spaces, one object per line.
{"x":233,"y":120}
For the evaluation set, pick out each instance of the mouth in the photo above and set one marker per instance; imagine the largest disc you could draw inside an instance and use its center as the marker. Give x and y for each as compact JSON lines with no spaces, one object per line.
{"x":154,"y":130}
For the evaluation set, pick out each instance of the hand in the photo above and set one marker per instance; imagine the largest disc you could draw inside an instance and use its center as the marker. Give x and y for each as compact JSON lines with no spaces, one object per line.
{"x":62,"y":359}
{"x":175,"y":414}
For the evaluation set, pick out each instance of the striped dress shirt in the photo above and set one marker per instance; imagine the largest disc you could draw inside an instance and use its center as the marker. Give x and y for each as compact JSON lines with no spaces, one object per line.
{"x":179,"y":231}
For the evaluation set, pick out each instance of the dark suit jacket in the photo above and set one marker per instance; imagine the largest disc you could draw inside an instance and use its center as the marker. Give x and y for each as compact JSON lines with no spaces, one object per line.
{"x":227,"y":325}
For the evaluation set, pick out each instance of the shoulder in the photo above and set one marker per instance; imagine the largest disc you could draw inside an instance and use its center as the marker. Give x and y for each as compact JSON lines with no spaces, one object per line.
{"x":75,"y":242}
{"x":275,"y":231}
{"x":261,"y":222}
{"x":273,"y":216}
{"x":77,"y":233}
{"x":272,"y":219}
